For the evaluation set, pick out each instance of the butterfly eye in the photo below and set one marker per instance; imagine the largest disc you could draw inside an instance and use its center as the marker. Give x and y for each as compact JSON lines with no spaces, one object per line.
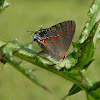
{"x":44,"y":31}
{"x":41,"y":34}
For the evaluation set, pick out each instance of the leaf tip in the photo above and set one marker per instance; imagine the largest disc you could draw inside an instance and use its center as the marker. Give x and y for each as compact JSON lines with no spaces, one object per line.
{"x":64,"y":97}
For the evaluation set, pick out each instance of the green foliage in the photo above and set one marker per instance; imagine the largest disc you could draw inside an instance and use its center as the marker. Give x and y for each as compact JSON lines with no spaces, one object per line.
{"x":72,"y":68}
{"x":3,"y":4}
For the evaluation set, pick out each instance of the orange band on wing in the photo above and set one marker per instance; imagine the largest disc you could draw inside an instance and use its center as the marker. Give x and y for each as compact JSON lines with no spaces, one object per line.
{"x":57,"y":37}
{"x":65,"y":52}
{"x":66,"y":31}
{"x":45,"y":40}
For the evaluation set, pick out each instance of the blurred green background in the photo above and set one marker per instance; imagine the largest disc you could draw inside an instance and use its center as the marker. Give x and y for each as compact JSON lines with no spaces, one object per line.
{"x":29,"y":15}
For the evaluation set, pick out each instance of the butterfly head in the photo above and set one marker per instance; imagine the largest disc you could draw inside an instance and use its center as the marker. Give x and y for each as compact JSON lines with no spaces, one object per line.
{"x":39,"y":34}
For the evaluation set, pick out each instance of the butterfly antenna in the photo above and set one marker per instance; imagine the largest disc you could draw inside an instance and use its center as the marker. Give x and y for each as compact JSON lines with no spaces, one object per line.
{"x":31,"y":32}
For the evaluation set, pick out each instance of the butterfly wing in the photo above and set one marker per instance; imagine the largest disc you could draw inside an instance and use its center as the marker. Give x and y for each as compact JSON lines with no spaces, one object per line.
{"x":58,"y":39}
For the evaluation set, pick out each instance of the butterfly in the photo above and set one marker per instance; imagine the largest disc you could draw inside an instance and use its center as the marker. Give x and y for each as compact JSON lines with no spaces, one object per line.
{"x":56,"y":40}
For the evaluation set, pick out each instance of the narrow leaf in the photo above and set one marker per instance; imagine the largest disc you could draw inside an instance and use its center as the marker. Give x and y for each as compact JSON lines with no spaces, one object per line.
{"x":3,"y":5}
{"x":75,"y":89}
{"x":94,"y":16}
{"x":6,"y":55}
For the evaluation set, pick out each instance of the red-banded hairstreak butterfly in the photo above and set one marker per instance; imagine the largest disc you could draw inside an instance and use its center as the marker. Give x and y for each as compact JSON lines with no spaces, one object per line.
{"x":56,"y":40}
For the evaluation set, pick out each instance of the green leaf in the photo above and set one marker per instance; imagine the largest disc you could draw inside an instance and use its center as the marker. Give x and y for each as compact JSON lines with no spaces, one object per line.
{"x":94,"y":91}
{"x":90,"y":98}
{"x":75,"y":89}
{"x":7,"y":56}
{"x":94,"y":16}
{"x":3,"y":5}
{"x":87,"y":65}
{"x":86,"y":54}
{"x":97,"y":35}
{"x":94,"y":8}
